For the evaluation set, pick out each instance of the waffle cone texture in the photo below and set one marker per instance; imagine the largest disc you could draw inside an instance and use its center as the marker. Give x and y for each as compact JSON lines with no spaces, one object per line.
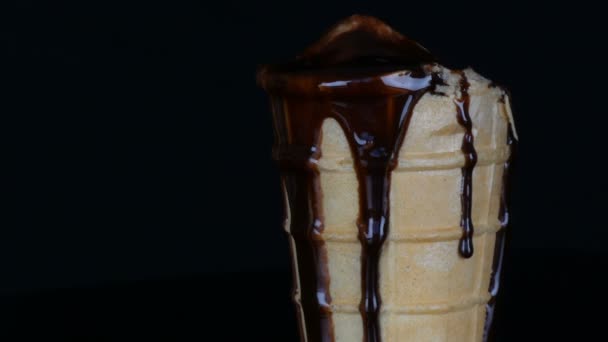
{"x":429,"y":292}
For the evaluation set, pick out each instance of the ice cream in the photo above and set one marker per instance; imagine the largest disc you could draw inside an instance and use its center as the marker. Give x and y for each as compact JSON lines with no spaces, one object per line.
{"x":392,"y":168}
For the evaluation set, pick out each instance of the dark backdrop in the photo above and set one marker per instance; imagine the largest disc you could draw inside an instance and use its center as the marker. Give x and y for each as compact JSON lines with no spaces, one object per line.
{"x":136,"y":157}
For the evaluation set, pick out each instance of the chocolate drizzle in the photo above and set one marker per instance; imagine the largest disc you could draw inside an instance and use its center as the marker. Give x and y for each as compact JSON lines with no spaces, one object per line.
{"x":375,"y":145}
{"x":297,"y":152}
{"x":499,"y":249}
{"x":375,"y":127}
{"x":465,"y":247}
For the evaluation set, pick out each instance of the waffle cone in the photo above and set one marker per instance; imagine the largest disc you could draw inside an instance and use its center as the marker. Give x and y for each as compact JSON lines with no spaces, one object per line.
{"x":428,"y":291}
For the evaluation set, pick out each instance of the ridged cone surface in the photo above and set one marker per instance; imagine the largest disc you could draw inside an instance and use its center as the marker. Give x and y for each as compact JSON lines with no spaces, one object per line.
{"x":429,"y":292}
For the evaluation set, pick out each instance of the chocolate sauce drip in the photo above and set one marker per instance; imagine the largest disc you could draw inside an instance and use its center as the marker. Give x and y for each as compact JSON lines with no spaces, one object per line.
{"x":437,"y":80}
{"x":499,"y":248}
{"x":375,"y":145}
{"x":297,"y":151}
{"x":465,"y":247}
{"x":375,"y":127}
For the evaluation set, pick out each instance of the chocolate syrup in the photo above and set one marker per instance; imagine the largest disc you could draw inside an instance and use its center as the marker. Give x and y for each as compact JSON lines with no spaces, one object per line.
{"x":354,"y":75}
{"x":375,"y":127}
{"x":437,"y":80}
{"x":375,"y":144}
{"x":499,"y":249}
{"x":465,"y":247}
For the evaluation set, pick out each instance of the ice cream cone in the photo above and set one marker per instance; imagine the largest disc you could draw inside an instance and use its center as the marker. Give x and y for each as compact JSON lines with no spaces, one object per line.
{"x":429,"y":292}
{"x":393,"y":181}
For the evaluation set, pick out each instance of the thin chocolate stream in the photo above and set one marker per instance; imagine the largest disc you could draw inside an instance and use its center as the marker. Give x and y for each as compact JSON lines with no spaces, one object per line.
{"x":499,"y":249}
{"x":297,"y":155}
{"x":375,"y":145}
{"x":465,"y":247}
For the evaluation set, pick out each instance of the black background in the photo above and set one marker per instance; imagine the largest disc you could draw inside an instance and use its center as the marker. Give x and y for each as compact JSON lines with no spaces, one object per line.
{"x":139,"y":190}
